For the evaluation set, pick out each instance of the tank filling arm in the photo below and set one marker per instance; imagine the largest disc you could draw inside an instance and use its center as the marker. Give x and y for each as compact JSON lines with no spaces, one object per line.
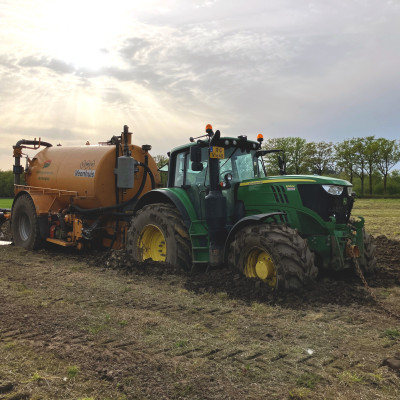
{"x":17,"y":168}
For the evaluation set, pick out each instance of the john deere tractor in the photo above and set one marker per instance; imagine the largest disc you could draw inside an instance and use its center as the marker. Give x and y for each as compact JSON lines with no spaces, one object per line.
{"x":220,"y":207}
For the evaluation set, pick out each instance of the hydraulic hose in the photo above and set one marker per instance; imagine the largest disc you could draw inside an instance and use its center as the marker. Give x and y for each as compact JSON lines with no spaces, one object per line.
{"x":17,"y":168}
{"x":32,"y":143}
{"x":126,"y":203}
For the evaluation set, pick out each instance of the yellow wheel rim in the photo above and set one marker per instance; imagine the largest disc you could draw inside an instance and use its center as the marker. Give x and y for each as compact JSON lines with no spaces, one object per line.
{"x":259,"y":264}
{"x":152,"y":244}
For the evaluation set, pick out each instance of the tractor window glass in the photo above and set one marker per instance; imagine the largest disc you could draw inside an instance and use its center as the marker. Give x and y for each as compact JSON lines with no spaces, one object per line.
{"x":260,"y":166}
{"x":199,"y":178}
{"x":240,"y":163}
{"x":179,"y":169}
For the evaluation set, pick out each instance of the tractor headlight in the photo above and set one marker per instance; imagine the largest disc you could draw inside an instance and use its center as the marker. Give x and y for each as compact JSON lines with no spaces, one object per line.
{"x":350,"y":190}
{"x":333,"y":189}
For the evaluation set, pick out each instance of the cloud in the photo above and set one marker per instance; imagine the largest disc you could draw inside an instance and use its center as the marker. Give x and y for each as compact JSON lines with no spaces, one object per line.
{"x":53,"y":64}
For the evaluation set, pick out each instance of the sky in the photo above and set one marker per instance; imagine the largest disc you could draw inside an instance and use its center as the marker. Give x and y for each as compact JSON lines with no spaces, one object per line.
{"x":78,"y":70}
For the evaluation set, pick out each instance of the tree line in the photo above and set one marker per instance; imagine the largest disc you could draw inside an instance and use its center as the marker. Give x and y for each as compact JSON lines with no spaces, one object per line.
{"x":6,"y":184}
{"x":366,"y":162}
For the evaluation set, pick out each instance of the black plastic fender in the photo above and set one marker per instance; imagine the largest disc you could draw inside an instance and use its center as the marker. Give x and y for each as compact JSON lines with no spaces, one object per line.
{"x":164,"y":196}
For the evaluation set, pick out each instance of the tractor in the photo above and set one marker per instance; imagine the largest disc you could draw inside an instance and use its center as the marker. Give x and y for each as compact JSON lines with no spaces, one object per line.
{"x":220,"y":207}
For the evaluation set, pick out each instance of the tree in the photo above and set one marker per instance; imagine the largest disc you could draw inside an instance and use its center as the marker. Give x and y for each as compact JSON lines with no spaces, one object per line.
{"x":161,"y":160}
{"x":321,"y":157}
{"x":360,"y":160}
{"x":6,"y":184}
{"x":295,"y":149}
{"x":345,"y":157}
{"x":371,"y":147}
{"x":388,"y":155}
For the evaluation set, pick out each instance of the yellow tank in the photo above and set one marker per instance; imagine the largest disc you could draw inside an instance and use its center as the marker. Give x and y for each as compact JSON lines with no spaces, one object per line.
{"x":87,"y":170}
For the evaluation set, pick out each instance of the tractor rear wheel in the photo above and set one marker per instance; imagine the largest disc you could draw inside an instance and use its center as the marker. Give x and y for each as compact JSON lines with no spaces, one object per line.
{"x":274,"y":253}
{"x":157,"y":232}
{"x":25,"y":224}
{"x":368,"y":259}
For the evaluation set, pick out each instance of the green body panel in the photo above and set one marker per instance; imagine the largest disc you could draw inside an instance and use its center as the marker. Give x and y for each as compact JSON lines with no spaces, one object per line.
{"x":198,"y":230}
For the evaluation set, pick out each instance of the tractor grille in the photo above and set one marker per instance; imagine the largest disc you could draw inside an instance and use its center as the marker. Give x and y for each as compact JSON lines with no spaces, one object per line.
{"x":279,"y":194}
{"x":326,"y":205}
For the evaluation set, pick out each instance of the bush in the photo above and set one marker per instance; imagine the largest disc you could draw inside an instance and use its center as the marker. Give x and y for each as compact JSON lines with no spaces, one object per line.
{"x":6,"y":184}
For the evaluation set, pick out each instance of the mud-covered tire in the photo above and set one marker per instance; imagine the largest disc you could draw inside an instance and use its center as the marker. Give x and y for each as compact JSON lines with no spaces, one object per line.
{"x":168,"y":220}
{"x":368,"y":258}
{"x":25,"y":224}
{"x":291,"y":256}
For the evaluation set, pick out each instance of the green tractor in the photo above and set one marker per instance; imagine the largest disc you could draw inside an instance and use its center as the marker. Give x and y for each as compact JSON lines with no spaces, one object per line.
{"x":220,"y":207}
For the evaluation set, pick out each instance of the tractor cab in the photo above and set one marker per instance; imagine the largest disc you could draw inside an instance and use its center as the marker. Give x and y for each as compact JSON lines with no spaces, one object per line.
{"x":189,"y":165}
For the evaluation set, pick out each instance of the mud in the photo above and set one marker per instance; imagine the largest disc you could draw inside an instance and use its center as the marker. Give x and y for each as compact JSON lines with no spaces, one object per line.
{"x":149,"y":331}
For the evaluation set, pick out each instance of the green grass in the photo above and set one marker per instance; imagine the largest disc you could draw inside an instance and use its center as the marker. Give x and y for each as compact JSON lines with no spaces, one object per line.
{"x":6,"y":203}
{"x":382,"y":216}
{"x":72,"y":371}
{"x":392,"y":333}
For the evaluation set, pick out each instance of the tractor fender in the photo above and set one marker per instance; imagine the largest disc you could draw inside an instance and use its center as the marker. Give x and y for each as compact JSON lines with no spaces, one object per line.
{"x":164,"y":196}
{"x":252,"y":219}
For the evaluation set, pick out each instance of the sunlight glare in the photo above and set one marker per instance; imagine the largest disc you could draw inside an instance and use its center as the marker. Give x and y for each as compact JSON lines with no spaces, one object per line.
{"x":79,"y":32}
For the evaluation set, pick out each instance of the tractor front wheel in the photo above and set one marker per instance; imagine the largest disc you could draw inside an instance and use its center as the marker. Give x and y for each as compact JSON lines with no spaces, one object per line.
{"x":25,"y":224}
{"x":157,"y":232}
{"x":275,"y":254}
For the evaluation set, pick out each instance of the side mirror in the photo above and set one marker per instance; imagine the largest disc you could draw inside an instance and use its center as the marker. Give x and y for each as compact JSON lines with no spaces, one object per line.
{"x":195,"y":154}
{"x":197,"y":166}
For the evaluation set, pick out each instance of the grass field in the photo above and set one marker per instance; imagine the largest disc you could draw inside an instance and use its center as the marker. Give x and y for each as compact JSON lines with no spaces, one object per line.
{"x":382,"y":216}
{"x":6,"y":203}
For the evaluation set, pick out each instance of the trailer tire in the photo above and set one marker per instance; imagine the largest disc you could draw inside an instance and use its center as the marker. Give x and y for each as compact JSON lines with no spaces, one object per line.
{"x":368,"y":259}
{"x":25,"y":224}
{"x":274,"y":253}
{"x":157,"y":232}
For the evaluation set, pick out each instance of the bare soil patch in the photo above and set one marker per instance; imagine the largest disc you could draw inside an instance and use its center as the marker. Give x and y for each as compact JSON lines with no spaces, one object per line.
{"x":74,"y":326}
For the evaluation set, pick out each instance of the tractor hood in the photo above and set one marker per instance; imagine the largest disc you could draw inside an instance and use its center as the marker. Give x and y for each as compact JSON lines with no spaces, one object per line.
{"x":325,"y":197}
{"x":296,"y":179}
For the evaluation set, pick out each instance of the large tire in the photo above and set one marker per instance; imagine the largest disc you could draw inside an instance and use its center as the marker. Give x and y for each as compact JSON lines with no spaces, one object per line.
{"x":276,"y":254}
{"x":157,"y":232}
{"x":368,"y":258}
{"x":25,"y":224}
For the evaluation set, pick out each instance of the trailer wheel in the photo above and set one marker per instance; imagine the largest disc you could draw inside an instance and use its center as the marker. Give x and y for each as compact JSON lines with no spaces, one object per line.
{"x":157,"y":232}
{"x":276,"y":254}
{"x":368,"y":259}
{"x":25,"y":224}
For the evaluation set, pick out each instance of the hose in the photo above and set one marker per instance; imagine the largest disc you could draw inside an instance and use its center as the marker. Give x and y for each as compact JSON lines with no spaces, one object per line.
{"x":32,"y":143}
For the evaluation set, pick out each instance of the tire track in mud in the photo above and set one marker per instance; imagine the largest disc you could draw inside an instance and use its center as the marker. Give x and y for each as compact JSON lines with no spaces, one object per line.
{"x":56,"y":330}
{"x":111,"y":360}
{"x":52,"y":331}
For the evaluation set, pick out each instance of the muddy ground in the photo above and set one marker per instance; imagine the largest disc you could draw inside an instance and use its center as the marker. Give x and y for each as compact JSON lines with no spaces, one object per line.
{"x":74,"y":326}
